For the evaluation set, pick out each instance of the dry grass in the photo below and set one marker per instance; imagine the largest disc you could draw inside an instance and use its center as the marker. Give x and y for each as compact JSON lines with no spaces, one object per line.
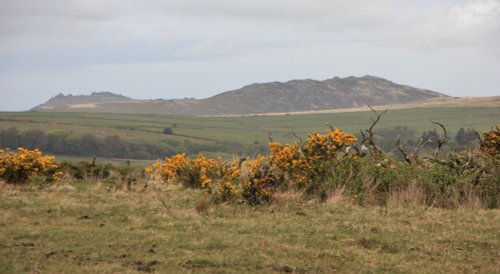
{"x":470,"y":201}
{"x":286,"y":198}
{"x":203,"y":205}
{"x":338,"y":197}
{"x":449,"y":102}
{"x":411,"y":196}
{"x":85,"y":228}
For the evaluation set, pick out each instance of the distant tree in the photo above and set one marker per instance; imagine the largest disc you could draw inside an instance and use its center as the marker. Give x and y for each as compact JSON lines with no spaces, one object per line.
{"x":430,"y":136}
{"x":34,"y":138}
{"x":9,"y":137}
{"x":90,"y":144}
{"x":115,"y":147}
{"x":386,"y":138}
{"x":461,"y":138}
{"x":168,"y":131}
{"x":465,"y":137}
{"x":57,"y":142}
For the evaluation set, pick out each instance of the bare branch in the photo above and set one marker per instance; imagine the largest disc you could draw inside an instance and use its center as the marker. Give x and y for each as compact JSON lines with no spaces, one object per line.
{"x":411,"y":158}
{"x":441,"y":140}
{"x":403,"y":151}
{"x":269,"y":136}
{"x":477,"y":135}
{"x":330,"y":127}
{"x":298,"y":137}
{"x":369,"y":140}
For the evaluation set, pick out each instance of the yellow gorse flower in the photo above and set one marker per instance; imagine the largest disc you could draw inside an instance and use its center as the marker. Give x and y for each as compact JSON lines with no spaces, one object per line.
{"x":298,"y":163}
{"x":216,"y":176}
{"x":491,"y":141}
{"x":302,"y":163}
{"x":20,"y":165}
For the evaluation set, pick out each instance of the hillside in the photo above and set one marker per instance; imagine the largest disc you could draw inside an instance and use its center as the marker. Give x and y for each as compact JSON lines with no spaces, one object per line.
{"x":291,"y":96}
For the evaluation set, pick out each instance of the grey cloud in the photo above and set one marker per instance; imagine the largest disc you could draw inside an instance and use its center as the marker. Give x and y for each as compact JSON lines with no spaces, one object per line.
{"x":473,"y":24}
{"x":327,"y":14}
{"x":58,"y":44}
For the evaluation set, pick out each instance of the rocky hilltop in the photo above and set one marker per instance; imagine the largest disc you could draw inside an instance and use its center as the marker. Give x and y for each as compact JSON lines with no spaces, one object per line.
{"x":62,"y":101}
{"x":291,"y":96}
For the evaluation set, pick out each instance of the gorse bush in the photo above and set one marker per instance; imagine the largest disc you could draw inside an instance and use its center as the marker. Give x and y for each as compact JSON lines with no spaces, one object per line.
{"x":491,"y":141}
{"x":261,"y":183}
{"x":216,"y":176}
{"x":322,"y":164}
{"x":307,"y":164}
{"x":301,"y":166}
{"x":19,"y":166}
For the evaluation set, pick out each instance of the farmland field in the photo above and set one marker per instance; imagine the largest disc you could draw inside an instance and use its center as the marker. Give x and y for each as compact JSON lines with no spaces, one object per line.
{"x":246,"y":129}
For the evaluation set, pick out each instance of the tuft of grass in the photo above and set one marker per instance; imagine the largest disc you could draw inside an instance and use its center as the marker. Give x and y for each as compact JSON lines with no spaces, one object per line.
{"x":412,"y":195}
{"x":203,"y":205}
{"x":338,"y":197}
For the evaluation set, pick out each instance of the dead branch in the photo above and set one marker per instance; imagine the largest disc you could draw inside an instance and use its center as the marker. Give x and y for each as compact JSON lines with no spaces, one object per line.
{"x":411,"y":158}
{"x":441,"y":140}
{"x":298,"y":137}
{"x":369,"y":140}
{"x":270,"y":137}
{"x":330,"y":127}
{"x":478,"y":135}
{"x":403,"y":151}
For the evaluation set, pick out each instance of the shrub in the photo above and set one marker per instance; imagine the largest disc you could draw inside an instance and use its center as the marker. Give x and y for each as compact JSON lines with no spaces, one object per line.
{"x":308,"y":164}
{"x":168,"y":131}
{"x":261,"y":183}
{"x":215,"y":176}
{"x":491,"y":142}
{"x":18,"y":167}
{"x":85,"y":170}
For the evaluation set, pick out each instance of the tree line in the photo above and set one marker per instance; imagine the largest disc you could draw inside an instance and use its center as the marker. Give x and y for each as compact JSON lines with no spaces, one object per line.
{"x":112,"y":146}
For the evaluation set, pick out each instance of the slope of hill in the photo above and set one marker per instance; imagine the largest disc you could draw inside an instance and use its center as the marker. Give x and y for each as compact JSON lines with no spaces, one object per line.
{"x":291,"y":96}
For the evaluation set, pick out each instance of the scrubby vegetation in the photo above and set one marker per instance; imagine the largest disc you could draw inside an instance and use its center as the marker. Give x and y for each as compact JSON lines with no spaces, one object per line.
{"x":325,"y":166}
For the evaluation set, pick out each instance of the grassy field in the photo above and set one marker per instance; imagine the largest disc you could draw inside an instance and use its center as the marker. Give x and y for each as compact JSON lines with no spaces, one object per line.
{"x":245,"y":130}
{"x":114,"y":161}
{"x":83,"y":227}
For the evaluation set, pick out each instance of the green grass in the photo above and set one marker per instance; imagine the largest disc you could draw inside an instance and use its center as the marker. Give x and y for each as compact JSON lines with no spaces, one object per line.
{"x":83,"y":227}
{"x":245,"y":130}
{"x":113,"y":161}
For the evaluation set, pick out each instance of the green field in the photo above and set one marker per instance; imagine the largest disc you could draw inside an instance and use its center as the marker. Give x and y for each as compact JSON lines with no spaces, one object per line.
{"x":84,"y":227}
{"x":248,"y":129}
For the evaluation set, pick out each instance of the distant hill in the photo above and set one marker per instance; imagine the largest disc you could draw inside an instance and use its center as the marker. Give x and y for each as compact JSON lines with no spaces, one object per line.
{"x":291,"y":96}
{"x":62,"y":100}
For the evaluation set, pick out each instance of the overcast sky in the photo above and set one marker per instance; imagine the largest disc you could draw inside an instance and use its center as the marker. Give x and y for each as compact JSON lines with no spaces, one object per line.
{"x":197,"y":48}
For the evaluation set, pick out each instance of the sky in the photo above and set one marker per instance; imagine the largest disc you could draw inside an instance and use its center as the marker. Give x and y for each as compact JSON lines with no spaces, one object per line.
{"x":149,"y":49}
